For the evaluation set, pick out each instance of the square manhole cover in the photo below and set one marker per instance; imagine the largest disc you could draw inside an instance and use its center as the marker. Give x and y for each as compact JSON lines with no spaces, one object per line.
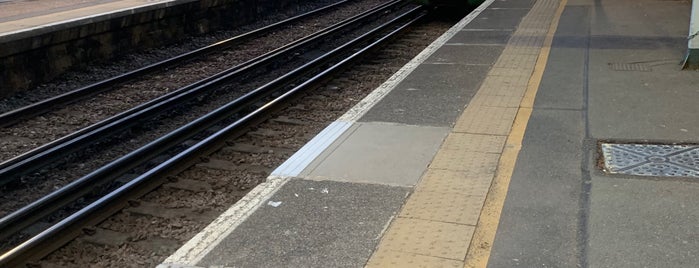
{"x":651,"y":159}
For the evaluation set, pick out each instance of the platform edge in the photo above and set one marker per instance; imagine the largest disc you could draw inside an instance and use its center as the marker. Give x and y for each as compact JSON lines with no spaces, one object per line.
{"x":203,"y":242}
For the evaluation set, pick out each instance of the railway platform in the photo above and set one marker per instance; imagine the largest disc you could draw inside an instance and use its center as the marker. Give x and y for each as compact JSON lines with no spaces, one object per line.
{"x":535,"y":133}
{"x":40,"y":40}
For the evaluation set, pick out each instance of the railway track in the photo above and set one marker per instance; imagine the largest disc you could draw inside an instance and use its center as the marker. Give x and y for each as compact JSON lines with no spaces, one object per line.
{"x":81,"y":202}
{"x":33,"y":132}
{"x":40,"y":157}
{"x":12,"y":117}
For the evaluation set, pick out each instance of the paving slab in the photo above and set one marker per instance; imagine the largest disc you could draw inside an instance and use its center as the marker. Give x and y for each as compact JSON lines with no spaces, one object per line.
{"x":379,"y":153}
{"x":432,"y":238}
{"x":397,"y":259}
{"x":466,"y":54}
{"x":433,"y":95}
{"x":481,"y":37}
{"x":512,"y":3}
{"x":499,"y":120}
{"x":316,"y":224}
{"x":498,"y":19}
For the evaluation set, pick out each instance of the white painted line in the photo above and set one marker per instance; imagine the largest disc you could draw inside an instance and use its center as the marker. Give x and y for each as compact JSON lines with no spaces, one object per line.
{"x":201,"y":244}
{"x":293,"y":166}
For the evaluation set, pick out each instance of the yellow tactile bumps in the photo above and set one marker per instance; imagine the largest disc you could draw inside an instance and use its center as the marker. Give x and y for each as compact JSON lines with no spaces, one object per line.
{"x":487,"y":120}
{"x":436,"y":225}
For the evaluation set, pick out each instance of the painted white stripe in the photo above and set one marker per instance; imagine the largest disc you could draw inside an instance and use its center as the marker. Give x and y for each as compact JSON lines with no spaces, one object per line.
{"x":293,"y":166}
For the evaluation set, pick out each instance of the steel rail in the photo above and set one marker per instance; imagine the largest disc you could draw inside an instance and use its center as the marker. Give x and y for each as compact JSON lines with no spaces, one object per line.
{"x":41,"y":244}
{"x":14,"y":116}
{"x":42,"y":156}
{"x":45,"y":205}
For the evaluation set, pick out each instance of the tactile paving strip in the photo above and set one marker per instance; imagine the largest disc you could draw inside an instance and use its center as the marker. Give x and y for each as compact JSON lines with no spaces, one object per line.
{"x":452,"y":181}
{"x":446,"y":207}
{"x":473,"y":162}
{"x":431,"y":238}
{"x":660,"y":160}
{"x":486,"y":120}
{"x":474,"y":143}
{"x":438,"y":221}
{"x":396,"y":259}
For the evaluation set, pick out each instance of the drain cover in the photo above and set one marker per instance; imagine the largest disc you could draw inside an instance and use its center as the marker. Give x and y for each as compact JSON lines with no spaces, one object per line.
{"x":639,"y":67}
{"x":651,"y":159}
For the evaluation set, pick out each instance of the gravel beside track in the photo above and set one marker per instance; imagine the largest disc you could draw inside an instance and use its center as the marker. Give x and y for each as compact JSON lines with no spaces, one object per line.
{"x":140,"y":236}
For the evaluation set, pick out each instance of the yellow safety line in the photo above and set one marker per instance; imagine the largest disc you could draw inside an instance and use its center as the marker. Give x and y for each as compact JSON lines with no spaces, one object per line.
{"x":482,"y":242}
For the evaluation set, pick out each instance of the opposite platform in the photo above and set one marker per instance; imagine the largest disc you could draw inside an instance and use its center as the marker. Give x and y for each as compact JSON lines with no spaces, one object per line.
{"x":64,"y":14}
{"x":40,"y":40}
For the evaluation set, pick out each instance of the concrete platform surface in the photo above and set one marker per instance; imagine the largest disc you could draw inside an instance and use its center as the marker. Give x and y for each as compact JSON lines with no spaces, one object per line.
{"x":340,"y":225}
{"x":20,"y":9}
{"x":483,"y":152}
{"x":18,"y":17}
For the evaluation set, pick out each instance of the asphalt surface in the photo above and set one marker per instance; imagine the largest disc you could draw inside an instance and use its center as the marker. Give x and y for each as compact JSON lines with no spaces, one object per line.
{"x":612,"y":74}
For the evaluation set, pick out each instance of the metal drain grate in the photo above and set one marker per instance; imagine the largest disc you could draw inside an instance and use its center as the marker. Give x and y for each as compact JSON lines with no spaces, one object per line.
{"x":651,"y":159}
{"x":638,"y":67}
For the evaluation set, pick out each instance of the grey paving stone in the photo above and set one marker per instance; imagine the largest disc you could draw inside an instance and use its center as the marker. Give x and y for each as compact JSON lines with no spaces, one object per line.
{"x":466,"y":54}
{"x":434,"y":95}
{"x":379,"y":153}
{"x":512,"y":4}
{"x":493,"y":37}
{"x":316,"y":224}
{"x":498,"y":19}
